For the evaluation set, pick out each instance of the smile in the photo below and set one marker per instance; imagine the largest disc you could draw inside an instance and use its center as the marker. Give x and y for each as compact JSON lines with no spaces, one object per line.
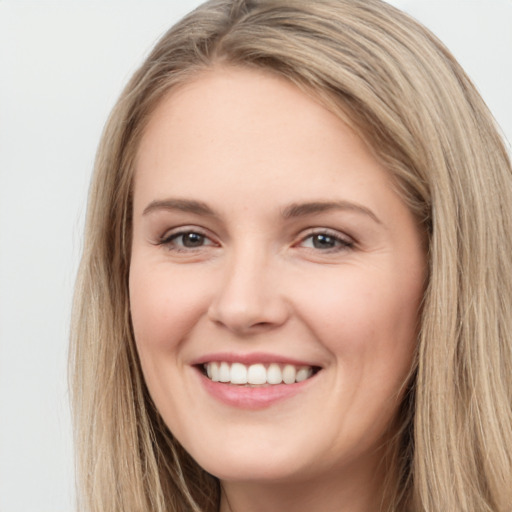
{"x":258,"y":374}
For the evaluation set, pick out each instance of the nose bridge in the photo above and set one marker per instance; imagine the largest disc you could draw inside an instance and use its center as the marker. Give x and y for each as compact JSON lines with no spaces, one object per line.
{"x":248,"y":297}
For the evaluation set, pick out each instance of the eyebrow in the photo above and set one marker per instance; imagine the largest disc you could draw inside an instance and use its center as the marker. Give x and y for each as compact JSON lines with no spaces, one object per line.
{"x":184,"y":205}
{"x":294,"y":210}
{"x":301,"y":209}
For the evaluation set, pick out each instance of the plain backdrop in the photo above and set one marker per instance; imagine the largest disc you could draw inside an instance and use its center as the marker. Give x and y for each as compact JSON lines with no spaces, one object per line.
{"x":62,"y":65}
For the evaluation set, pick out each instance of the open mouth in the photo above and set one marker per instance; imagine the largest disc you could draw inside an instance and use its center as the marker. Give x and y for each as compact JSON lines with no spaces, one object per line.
{"x":258,"y":374}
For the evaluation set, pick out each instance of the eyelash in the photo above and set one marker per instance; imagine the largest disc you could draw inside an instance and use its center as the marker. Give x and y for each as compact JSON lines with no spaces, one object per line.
{"x":169,"y":241}
{"x":340,"y":243}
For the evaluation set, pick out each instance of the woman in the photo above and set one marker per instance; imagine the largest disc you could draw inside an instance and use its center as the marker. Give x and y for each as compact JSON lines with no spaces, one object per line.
{"x":295,"y":288}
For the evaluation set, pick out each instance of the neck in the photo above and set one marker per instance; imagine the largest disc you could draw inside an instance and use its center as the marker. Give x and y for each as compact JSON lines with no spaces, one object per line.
{"x":339,"y":491}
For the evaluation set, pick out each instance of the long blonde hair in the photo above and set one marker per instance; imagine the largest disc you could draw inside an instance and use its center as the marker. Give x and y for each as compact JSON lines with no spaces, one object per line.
{"x":404,"y":93}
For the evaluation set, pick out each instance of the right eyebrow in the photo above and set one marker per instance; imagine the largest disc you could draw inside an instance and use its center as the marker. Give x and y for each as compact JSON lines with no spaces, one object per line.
{"x":184,"y":205}
{"x":315,"y":207}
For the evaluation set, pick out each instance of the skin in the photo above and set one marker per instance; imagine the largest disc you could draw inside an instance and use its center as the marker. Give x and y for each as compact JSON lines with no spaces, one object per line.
{"x":248,"y":145}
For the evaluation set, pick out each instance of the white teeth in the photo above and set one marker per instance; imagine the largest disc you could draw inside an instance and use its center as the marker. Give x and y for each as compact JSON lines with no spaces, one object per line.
{"x":289,"y":374}
{"x":224,"y":373}
{"x":256,"y":374}
{"x":274,"y":374}
{"x":213,"y":369}
{"x":303,"y":373}
{"x":238,"y":373}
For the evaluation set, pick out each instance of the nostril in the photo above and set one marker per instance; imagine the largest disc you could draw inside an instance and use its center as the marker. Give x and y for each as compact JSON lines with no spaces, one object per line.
{"x":244,"y":321}
{"x":262,"y":325}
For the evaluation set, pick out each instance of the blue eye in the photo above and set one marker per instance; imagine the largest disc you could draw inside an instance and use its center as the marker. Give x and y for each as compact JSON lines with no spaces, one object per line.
{"x":190,"y":239}
{"x":186,"y":240}
{"x":325,"y":241}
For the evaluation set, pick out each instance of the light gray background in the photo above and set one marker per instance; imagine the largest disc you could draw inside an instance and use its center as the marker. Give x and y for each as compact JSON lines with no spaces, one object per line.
{"x":62,"y":65}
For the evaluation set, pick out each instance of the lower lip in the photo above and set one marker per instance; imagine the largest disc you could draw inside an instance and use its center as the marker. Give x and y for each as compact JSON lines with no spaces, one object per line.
{"x":247,"y":397}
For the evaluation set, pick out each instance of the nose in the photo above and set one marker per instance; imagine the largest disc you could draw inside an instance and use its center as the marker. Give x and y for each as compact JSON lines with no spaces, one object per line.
{"x":248,"y":299}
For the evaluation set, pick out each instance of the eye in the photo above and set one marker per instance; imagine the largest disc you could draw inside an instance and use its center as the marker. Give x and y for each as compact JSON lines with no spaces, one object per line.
{"x":183,"y":240}
{"x":326,"y":241}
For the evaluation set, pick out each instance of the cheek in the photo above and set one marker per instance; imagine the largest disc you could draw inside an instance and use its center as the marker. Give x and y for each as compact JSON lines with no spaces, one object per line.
{"x":164,"y":306}
{"x":365,"y":317}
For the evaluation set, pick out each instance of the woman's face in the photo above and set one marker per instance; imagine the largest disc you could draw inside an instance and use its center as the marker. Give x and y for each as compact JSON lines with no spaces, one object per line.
{"x":269,"y":244}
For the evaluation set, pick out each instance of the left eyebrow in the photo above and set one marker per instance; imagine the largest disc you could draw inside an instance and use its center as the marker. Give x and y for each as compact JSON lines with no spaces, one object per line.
{"x":184,"y":205}
{"x":311,"y":208}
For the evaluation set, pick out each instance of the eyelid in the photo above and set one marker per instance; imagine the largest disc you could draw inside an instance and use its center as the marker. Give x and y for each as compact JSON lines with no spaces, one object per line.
{"x":345,"y":240}
{"x":171,"y":234}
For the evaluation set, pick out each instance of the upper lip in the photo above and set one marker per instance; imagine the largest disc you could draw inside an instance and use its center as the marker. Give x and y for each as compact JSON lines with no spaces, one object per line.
{"x":251,"y":358}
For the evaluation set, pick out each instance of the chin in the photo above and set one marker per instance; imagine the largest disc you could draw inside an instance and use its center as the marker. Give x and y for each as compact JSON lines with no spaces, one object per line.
{"x":255,"y":461}
{"x":264,"y":470}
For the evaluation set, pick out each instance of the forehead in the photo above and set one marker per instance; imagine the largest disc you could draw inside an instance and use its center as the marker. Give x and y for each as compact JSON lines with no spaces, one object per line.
{"x":231,"y":102}
{"x":240,"y":123}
